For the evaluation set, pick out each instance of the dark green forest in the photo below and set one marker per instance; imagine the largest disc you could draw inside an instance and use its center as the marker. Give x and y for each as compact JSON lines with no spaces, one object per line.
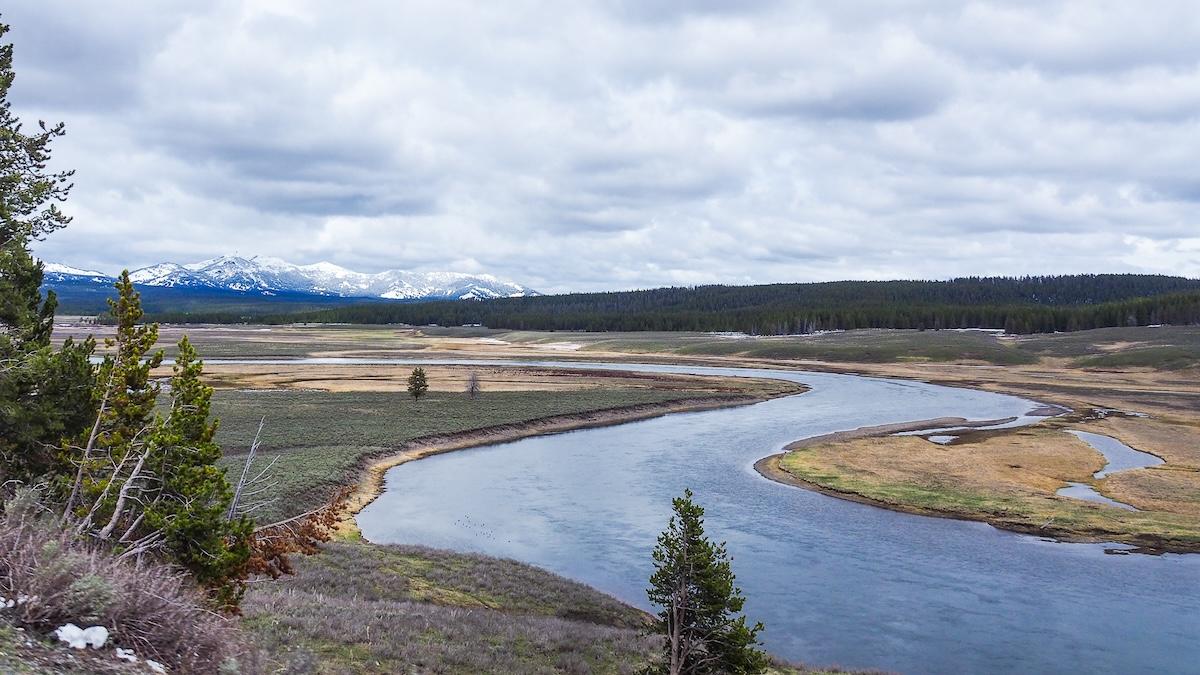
{"x":1018,"y":305}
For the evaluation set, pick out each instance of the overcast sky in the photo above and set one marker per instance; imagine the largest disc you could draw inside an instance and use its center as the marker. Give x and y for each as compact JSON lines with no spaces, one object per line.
{"x":627,"y":143}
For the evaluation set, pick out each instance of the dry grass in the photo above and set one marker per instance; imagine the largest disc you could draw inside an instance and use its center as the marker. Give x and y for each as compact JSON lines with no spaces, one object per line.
{"x":1175,"y":439}
{"x":360,"y":608}
{"x":147,"y":607}
{"x":1008,"y":479}
{"x":453,"y":378}
{"x":1028,"y":460}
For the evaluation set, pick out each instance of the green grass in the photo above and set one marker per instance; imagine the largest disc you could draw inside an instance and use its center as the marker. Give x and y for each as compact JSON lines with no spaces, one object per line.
{"x":300,"y":418}
{"x":1164,"y":358}
{"x":874,"y":346}
{"x":1168,"y":347}
{"x":866,"y":346}
{"x":1098,"y":341}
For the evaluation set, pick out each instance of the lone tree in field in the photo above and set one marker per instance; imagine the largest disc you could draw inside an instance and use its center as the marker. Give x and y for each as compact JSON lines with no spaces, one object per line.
{"x":473,"y":385}
{"x":417,"y":384}
{"x":693,"y":583}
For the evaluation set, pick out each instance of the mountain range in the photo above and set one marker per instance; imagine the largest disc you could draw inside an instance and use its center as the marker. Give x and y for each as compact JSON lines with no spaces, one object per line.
{"x":266,"y":276}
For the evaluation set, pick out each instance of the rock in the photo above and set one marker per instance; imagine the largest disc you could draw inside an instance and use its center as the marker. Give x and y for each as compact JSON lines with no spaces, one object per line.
{"x":81,"y":638}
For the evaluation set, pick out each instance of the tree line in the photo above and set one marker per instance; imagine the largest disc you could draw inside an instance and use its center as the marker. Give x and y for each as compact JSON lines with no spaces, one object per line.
{"x":1017,"y":305}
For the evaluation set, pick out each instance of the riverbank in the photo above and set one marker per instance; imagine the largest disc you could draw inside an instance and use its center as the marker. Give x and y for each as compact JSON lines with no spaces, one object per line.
{"x":371,"y":479}
{"x":1008,"y":479}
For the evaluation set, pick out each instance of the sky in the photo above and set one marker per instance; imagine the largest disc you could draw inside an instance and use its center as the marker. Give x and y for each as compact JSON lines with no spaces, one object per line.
{"x":618,"y":144}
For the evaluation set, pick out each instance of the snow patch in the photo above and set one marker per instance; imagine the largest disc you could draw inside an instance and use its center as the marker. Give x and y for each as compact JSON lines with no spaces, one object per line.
{"x":82,"y":638}
{"x":55,"y":268}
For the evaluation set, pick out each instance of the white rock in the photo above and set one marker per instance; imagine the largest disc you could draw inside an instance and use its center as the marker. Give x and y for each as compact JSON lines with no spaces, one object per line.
{"x":96,"y":636}
{"x":72,"y":635}
{"x":80,"y":638}
{"x":156,"y":666}
{"x":127,"y":655}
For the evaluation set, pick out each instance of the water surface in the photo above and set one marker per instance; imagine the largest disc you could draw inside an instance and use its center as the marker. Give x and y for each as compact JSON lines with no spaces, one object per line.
{"x":1117,"y":455}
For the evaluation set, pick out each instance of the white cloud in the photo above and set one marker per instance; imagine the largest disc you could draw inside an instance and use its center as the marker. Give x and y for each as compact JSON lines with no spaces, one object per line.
{"x":577,"y":146}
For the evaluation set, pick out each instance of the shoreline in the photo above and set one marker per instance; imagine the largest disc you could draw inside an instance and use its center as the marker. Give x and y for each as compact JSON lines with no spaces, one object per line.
{"x":769,"y":467}
{"x":371,"y":477}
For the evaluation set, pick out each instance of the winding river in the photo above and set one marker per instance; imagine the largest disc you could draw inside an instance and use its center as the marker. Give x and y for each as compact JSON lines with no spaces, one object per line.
{"x":835,"y":582}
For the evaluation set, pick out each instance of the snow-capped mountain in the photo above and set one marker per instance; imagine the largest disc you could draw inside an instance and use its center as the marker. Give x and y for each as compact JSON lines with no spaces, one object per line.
{"x":268,"y":276}
{"x":52,"y":272}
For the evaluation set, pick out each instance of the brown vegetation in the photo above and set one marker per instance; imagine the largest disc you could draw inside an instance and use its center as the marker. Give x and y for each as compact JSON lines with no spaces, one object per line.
{"x":53,"y":577}
{"x":1007,"y":478}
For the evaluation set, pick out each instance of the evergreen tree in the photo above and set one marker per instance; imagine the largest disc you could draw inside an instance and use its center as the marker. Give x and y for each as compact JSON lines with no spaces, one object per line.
{"x":192,"y":507}
{"x":417,"y":384}
{"x":694,"y":585}
{"x":45,"y":395}
{"x":149,"y":484}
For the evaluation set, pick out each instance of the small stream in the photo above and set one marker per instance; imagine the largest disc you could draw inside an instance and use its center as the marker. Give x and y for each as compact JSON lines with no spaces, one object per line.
{"x":1118,"y":457}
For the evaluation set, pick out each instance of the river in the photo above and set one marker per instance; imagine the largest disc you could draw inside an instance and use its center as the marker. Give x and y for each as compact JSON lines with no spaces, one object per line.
{"x":835,"y":582}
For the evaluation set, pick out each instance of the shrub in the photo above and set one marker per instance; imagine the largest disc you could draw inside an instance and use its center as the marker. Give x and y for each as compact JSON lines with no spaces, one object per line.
{"x":53,"y":577}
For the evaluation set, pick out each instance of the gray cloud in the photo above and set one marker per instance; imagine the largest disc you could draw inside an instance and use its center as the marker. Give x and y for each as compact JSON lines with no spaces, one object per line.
{"x":615,"y":144}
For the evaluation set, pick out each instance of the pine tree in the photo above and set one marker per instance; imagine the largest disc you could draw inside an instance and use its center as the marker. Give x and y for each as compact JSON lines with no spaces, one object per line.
{"x":417,"y":384}
{"x":45,"y":395}
{"x":195,"y":494}
{"x":124,"y":426}
{"x":149,"y":484}
{"x":694,"y":585}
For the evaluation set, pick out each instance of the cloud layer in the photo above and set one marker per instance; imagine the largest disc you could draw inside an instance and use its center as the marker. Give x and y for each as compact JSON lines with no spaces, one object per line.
{"x":620,"y":144}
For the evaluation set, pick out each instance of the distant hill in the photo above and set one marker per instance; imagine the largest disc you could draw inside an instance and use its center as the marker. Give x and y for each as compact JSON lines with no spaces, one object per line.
{"x":1017,"y":305}
{"x":268,"y":285}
